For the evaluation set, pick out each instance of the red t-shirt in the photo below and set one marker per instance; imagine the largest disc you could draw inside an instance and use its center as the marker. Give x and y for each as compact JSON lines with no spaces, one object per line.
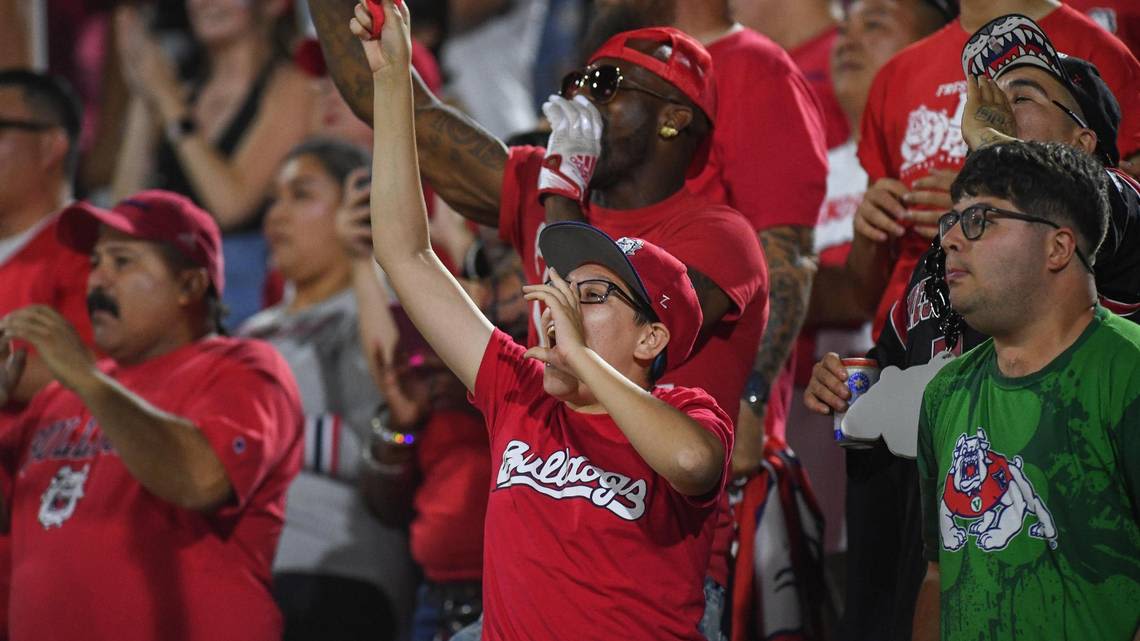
{"x":583,"y":539}
{"x":912,"y":123}
{"x":455,"y":470}
{"x":713,"y":239}
{"x":814,"y":60}
{"x":97,"y":556}
{"x":44,"y":272}
{"x":1119,"y":17}
{"x":768,"y":158}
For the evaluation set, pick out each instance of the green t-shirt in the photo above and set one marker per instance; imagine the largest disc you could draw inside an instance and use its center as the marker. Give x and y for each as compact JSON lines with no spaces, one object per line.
{"x":1031,"y":491}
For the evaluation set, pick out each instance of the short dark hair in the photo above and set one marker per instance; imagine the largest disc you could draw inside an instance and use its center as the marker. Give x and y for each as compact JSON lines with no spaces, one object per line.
{"x":52,"y":100}
{"x":339,"y":158}
{"x":1047,"y":179}
{"x":216,"y":310}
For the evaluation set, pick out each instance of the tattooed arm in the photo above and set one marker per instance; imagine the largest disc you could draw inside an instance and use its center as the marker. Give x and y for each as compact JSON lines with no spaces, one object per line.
{"x":463,"y":162}
{"x":987,"y":118}
{"x":791,"y":268}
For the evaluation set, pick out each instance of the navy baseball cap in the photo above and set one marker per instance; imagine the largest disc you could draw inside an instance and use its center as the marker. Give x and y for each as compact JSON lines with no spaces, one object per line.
{"x":657,"y":280}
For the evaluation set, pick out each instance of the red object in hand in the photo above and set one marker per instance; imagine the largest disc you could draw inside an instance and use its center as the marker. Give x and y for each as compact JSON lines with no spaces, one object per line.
{"x":377,"y":11}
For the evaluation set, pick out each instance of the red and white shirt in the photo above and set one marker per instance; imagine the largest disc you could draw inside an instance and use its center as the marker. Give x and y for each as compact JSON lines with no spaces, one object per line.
{"x":97,"y":556}
{"x":912,"y":123}
{"x":584,"y":540}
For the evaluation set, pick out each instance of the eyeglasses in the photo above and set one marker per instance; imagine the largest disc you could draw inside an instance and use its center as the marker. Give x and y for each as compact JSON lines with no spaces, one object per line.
{"x":974,"y":220}
{"x":602,"y":83}
{"x":938,"y":294}
{"x":1071,"y":114}
{"x":25,"y":125}
{"x":596,"y":291}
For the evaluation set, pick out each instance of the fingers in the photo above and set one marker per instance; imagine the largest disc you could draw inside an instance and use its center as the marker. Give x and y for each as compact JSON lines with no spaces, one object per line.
{"x":14,"y":364}
{"x":827,"y":392}
{"x":361,"y":23}
{"x":926,"y":231}
{"x":877,"y":213}
{"x":543,"y":354}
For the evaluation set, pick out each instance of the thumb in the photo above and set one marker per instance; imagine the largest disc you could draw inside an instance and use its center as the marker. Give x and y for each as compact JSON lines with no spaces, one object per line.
{"x":538,"y":353}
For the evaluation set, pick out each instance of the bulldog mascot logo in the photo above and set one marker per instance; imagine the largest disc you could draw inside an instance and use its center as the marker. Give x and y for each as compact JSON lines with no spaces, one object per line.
{"x":993,"y":495}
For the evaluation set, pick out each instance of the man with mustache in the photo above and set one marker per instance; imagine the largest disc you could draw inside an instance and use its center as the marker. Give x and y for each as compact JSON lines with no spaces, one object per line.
{"x":161,"y":472}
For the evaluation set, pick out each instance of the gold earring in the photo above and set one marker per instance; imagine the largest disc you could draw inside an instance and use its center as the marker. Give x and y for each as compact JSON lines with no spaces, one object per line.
{"x":667,"y":132}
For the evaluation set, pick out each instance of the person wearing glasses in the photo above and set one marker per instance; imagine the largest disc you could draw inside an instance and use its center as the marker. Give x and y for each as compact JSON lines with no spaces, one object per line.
{"x":39,"y":151}
{"x":605,"y":485}
{"x":1027,"y":444}
{"x":1040,"y":96}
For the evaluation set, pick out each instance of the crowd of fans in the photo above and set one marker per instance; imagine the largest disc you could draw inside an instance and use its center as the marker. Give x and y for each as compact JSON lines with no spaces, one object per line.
{"x":527,"y":319}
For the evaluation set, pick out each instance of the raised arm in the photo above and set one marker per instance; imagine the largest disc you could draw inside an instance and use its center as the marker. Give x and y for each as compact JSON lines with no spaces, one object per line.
{"x":431,"y":296}
{"x":463,"y":162}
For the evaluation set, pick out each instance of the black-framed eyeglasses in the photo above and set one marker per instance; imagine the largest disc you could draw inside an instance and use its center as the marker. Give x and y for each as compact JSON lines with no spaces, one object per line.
{"x":25,"y":125}
{"x":596,"y":291}
{"x":1071,"y":114}
{"x":602,"y":83}
{"x":974,"y":220}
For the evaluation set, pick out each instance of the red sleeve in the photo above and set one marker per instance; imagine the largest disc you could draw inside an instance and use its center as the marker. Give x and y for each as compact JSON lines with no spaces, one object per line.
{"x":701,"y":407}
{"x":252,"y":420}
{"x":775,"y":175}
{"x":504,"y":377}
{"x":874,"y":155}
{"x":721,"y":244}
{"x":520,"y":190}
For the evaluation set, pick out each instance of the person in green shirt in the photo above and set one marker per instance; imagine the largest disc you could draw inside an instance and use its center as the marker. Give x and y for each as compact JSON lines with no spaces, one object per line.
{"x":1029,"y":444}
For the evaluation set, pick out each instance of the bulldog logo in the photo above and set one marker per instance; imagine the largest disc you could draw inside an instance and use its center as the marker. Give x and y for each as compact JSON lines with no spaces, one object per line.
{"x":993,"y":494}
{"x":58,"y":502}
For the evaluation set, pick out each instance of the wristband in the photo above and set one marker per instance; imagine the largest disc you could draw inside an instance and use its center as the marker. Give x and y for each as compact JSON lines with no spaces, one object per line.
{"x":756,"y":391}
{"x":383,"y":469}
{"x":392,"y":437}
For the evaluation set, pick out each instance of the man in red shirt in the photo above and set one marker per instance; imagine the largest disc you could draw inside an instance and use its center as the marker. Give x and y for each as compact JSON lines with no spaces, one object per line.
{"x":911,"y":144}
{"x":147,"y":491}
{"x":39,"y":150}
{"x":604,"y":484}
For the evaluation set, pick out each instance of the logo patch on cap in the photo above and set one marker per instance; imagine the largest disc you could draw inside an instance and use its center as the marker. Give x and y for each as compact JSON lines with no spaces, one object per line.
{"x":629,"y":246}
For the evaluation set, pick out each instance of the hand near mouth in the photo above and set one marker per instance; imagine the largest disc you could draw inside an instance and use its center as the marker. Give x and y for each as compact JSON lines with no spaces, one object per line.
{"x":562,"y":321}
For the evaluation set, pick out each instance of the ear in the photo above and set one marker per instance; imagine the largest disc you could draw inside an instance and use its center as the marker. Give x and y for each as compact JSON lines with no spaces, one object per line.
{"x":192,"y":286}
{"x":678,"y":117}
{"x":53,"y":150}
{"x":654,"y":337}
{"x":1084,"y":139}
{"x":1062,"y":248}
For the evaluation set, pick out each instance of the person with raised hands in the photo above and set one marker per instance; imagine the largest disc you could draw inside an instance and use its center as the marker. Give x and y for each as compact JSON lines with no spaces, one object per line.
{"x":604,"y":484}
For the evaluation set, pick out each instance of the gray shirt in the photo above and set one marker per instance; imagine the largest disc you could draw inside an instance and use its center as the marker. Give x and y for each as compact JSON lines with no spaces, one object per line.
{"x":328,"y":528}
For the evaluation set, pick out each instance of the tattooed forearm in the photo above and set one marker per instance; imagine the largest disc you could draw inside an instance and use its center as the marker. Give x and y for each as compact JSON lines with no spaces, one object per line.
{"x":714,"y":302}
{"x":345,"y":57}
{"x":791,"y":267}
{"x":460,"y":160}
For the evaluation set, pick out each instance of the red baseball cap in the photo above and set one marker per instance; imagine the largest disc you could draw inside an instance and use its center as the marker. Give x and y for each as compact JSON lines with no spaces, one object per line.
{"x":154,"y":215}
{"x":689,"y":67}
{"x":653,"y":275}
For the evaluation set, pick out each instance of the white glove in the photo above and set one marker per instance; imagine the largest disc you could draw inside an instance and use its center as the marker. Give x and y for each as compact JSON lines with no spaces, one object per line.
{"x":575,"y":143}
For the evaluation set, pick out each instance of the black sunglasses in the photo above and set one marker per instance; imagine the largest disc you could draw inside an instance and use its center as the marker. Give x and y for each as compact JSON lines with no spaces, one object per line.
{"x":25,"y":125}
{"x":938,"y":295}
{"x":602,"y":83}
{"x":1071,"y":114}
{"x":974,"y":220}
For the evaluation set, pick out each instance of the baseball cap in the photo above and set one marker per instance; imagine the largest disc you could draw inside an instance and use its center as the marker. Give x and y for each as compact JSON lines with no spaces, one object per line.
{"x":153,"y":215}
{"x":1014,"y":40}
{"x":658,"y":280}
{"x":688,"y":68}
